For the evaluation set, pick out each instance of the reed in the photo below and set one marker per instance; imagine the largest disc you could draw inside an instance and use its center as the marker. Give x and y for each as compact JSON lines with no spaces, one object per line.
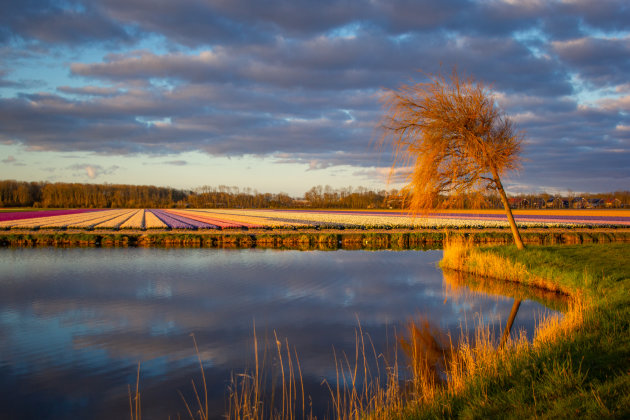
{"x":135,"y":412}
{"x":371,"y":384}
{"x":255,"y":394}
{"x":374,"y":385}
{"x":367,"y":385}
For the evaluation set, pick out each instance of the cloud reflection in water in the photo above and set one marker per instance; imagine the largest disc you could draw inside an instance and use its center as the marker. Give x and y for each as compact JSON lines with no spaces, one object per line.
{"x":75,"y":322}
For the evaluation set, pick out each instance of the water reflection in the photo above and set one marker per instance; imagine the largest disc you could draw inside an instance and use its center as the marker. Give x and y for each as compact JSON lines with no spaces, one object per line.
{"x":461,"y":286}
{"x":75,"y":322}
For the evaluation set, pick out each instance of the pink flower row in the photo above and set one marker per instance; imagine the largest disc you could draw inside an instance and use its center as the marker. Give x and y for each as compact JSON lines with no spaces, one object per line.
{"x":19,"y":215}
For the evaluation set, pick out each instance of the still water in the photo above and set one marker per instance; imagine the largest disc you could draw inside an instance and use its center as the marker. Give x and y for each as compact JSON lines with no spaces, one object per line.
{"x":75,"y":322}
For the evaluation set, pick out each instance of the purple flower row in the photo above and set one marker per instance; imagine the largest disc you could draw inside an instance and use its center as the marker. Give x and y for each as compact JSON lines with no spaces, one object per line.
{"x":542,"y":217}
{"x":180,"y":222}
{"x":19,"y":215}
{"x":523,"y":217}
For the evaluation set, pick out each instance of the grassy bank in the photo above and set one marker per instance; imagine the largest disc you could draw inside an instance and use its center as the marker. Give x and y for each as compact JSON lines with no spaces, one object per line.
{"x":578,"y":367}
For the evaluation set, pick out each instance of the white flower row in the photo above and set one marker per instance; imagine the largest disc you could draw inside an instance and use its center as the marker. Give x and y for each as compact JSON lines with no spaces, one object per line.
{"x":256,"y":217}
{"x":151,"y":221}
{"x":96,"y":219}
{"x":275,"y":218}
{"x":136,"y":221}
{"x":115,"y":222}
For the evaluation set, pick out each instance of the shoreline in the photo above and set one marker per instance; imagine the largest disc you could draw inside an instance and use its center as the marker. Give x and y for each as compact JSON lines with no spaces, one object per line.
{"x":576,"y":364}
{"x":305,"y":239}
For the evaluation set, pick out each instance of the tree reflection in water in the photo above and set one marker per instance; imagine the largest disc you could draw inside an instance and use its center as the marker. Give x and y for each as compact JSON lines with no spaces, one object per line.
{"x":435,"y":356}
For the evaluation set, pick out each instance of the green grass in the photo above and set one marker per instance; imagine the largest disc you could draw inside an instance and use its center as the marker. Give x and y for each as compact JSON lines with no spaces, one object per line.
{"x":606,"y":266}
{"x":585,"y":374}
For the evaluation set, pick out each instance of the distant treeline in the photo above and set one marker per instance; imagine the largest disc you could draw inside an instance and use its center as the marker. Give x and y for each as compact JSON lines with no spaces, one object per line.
{"x":72,"y":195}
{"x":75,"y":195}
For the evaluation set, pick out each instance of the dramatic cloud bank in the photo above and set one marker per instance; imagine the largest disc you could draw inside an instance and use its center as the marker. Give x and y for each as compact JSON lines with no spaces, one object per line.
{"x":299,"y":81}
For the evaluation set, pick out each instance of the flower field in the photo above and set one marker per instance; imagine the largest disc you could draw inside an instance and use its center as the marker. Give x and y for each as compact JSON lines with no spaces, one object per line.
{"x":281,"y":219}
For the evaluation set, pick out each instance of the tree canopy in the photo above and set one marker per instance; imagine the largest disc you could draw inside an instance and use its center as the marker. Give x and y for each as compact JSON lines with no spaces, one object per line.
{"x":455,"y":138}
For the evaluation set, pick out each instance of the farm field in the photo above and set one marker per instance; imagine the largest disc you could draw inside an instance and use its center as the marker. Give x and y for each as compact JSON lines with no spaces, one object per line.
{"x":218,"y":219}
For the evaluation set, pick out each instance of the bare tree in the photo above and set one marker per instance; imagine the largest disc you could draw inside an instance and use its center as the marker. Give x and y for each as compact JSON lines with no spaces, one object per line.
{"x":456,"y":139}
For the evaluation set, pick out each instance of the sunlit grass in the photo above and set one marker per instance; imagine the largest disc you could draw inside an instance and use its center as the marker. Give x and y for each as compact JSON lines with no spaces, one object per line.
{"x":460,"y":255}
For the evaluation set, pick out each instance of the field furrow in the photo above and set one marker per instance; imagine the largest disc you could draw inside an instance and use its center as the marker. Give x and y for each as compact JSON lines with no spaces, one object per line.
{"x":90,"y":223}
{"x":115,"y":222}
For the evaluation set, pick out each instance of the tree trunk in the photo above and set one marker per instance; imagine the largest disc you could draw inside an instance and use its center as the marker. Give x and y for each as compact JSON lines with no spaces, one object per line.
{"x":508,"y":326}
{"x":508,"y":211}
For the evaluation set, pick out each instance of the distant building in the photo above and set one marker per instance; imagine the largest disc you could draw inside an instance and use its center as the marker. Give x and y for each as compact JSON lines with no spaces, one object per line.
{"x":301,"y":203}
{"x":518,"y":203}
{"x":557,"y":203}
{"x":613,"y":203}
{"x":595,"y":203}
{"x":578,"y":203}
{"x":538,"y":203}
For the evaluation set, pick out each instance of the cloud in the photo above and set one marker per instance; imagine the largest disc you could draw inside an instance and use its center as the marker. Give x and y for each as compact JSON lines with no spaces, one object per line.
{"x":602,"y":62}
{"x":9,"y":159}
{"x":49,"y":22}
{"x":393,"y":177}
{"x":176,"y":162}
{"x":369,"y":61}
{"x":4,"y":83}
{"x":300,"y":81}
{"x":317,"y":164}
{"x":89,"y":90}
{"x":93,"y":171}
{"x":169,"y":162}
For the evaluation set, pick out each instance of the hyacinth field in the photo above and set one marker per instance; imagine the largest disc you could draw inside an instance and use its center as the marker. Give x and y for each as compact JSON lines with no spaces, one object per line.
{"x":195,"y":219}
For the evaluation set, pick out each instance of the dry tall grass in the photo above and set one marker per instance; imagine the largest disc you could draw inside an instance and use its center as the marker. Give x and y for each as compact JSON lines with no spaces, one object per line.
{"x":371,"y":385}
{"x":135,"y":405}
{"x":460,"y":255}
{"x":251,"y":396}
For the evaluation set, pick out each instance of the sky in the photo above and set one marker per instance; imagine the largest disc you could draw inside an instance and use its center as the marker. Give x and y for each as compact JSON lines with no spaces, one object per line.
{"x":283,"y":95}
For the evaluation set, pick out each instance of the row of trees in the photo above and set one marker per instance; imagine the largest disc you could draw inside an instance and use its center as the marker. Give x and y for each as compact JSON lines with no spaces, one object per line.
{"x":69,"y":195}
